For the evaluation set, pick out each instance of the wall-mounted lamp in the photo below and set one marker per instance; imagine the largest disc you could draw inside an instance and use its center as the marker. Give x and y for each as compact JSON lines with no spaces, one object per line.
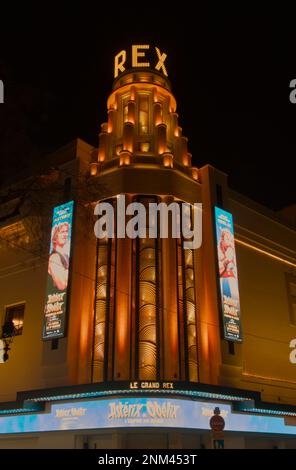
{"x":8,"y":334}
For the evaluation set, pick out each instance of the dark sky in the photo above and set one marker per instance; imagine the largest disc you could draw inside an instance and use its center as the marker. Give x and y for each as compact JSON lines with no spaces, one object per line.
{"x":230,"y":73}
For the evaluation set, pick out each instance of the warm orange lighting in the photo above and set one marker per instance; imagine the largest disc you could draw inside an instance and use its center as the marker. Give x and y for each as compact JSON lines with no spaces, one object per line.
{"x":178,"y":131}
{"x":205,"y":342}
{"x":103,"y":145}
{"x":131,"y":106}
{"x":93,"y":169}
{"x":84,"y":329}
{"x":122,"y":338}
{"x":110,"y":121}
{"x":136,"y":54}
{"x":194,"y":172}
{"x":126,"y":89}
{"x":173,"y":121}
{"x":18,"y":323}
{"x":158,"y":120}
{"x":114,"y":104}
{"x":161,"y":135}
{"x":128,"y":136}
{"x":168,"y":160}
{"x":186,"y":160}
{"x":101,"y":155}
{"x":144,"y":146}
{"x":157,"y":110}
{"x":161,"y":58}
{"x":100,"y":310}
{"x":259,"y":250}
{"x":125,"y":158}
{"x":118,"y":149}
{"x":122,"y":324}
{"x":133,"y":93}
{"x":119,"y":60}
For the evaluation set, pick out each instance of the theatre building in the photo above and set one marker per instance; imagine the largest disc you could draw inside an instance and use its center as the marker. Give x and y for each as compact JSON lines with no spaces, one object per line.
{"x":164,"y":341}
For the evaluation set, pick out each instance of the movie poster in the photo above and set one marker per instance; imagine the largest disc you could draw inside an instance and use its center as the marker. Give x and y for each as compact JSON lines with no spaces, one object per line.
{"x":58,"y":272}
{"x":228,"y":276}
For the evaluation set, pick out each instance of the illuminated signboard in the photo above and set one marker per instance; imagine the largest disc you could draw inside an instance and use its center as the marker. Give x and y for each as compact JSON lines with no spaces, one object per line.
{"x":58,"y":272}
{"x":151,"y":385}
{"x":140,"y":413}
{"x":228,"y":276}
{"x":141,"y":56}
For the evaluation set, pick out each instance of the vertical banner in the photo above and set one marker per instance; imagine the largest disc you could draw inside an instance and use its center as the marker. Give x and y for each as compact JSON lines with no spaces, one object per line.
{"x":228,"y":276}
{"x":58,"y":272}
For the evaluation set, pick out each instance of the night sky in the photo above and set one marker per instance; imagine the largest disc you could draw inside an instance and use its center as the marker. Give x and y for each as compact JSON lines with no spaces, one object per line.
{"x":230,"y":74}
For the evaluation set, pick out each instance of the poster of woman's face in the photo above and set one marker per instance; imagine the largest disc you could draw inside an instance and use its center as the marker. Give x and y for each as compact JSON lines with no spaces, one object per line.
{"x":228,"y":275}
{"x":226,"y":250}
{"x":60,"y":238}
{"x":58,"y":271}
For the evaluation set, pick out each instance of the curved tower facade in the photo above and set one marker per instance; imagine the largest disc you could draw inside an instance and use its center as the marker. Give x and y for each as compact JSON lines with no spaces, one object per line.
{"x":145,"y":325}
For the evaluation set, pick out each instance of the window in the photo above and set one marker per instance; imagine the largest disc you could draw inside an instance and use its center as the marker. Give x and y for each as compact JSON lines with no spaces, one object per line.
{"x":16,"y":314}
{"x":291,"y":287}
{"x":144,"y":114}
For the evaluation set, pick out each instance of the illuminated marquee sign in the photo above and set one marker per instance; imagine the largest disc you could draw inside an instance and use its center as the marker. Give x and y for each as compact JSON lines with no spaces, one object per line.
{"x":140,"y":57}
{"x":58,"y":272}
{"x":228,"y":276}
{"x":151,"y":385}
{"x":147,"y":411}
{"x":140,"y":413}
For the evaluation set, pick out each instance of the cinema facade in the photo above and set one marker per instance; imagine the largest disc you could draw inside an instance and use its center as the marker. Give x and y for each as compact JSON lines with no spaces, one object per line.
{"x":134,"y":342}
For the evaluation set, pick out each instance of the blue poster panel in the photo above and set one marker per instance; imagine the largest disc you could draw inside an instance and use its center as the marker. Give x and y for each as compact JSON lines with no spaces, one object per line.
{"x":57,"y":287}
{"x":232,"y":330}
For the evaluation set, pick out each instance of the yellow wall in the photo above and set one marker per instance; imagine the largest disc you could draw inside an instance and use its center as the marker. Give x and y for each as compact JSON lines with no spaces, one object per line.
{"x":266,"y":322}
{"x":32,"y":363}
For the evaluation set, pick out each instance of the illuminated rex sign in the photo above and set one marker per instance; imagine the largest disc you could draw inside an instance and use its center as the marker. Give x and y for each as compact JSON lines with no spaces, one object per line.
{"x":140,"y":56}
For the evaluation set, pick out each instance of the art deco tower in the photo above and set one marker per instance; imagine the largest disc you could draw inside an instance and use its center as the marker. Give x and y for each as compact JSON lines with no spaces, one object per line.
{"x":146,"y":311}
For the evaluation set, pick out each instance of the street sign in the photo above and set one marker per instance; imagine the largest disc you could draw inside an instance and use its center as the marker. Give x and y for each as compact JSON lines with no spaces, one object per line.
{"x":217,"y":425}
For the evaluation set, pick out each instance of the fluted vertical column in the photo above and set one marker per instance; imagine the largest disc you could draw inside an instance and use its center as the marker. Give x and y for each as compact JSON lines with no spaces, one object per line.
{"x":148,"y":306}
{"x":111,"y":120}
{"x":103,"y":146}
{"x":171,"y":362}
{"x":190,"y":306}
